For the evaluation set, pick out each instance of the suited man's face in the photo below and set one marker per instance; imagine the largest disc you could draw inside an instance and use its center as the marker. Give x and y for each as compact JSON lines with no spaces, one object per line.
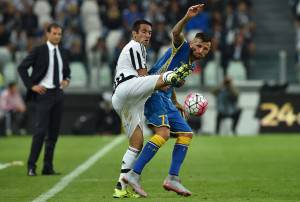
{"x":54,"y":36}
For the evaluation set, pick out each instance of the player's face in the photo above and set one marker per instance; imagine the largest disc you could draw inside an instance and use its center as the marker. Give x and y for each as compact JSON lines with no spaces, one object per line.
{"x":143,"y":36}
{"x":200,"y":48}
{"x":54,"y":36}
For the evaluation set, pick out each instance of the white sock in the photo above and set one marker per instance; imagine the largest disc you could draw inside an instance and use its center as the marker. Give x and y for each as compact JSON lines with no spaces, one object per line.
{"x":128,"y":161}
{"x":165,"y":76}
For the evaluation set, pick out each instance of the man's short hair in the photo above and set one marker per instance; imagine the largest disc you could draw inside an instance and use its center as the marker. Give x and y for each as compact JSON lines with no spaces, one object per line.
{"x":204,"y":37}
{"x":136,"y":24}
{"x":53,"y":25}
{"x":12,"y":84}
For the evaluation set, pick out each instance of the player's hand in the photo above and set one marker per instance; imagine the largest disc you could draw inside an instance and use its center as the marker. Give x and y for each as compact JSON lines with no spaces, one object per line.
{"x":64,"y":84}
{"x":194,"y":10}
{"x":39,"y":89}
{"x":183,"y":113}
{"x":180,"y":107}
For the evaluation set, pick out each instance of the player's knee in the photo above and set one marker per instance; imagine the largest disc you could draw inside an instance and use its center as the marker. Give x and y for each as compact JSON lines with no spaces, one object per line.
{"x":164,"y":132}
{"x":136,"y":141}
{"x":190,"y":135}
{"x":184,"y":138}
{"x":166,"y":136}
{"x":158,"y":140}
{"x":136,"y":145}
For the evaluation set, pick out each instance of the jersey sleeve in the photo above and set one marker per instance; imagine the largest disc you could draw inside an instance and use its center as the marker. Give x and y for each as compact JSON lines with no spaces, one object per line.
{"x":137,"y":56}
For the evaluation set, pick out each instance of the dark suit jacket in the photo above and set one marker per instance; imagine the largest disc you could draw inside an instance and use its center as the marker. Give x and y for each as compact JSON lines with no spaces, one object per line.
{"x":38,"y":59}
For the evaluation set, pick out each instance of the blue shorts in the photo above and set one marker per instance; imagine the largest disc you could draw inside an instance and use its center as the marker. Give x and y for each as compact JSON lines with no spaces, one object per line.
{"x":160,"y":111}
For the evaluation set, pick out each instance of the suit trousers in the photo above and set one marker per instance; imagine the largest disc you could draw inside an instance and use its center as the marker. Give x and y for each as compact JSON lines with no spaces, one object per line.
{"x":49,"y":107}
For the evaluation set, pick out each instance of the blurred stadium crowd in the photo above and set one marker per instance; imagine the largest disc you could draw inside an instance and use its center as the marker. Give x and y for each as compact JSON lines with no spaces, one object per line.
{"x":95,"y":31}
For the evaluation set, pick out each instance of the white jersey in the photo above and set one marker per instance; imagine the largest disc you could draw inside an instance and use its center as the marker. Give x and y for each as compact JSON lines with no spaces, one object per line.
{"x":132,"y":58}
{"x":131,"y":94}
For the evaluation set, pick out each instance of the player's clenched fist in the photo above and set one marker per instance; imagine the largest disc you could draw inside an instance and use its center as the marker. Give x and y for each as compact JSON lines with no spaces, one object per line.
{"x":194,"y":10}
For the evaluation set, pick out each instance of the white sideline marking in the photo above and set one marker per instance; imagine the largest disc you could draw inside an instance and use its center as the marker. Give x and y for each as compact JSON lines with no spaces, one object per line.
{"x":65,"y":181}
{"x":13,"y":163}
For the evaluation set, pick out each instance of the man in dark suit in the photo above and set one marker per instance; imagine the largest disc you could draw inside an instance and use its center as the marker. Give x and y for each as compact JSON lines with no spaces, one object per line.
{"x":50,"y":75}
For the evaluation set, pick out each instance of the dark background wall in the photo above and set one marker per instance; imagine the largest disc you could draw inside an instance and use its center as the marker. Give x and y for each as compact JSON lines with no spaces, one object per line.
{"x":80,"y":110}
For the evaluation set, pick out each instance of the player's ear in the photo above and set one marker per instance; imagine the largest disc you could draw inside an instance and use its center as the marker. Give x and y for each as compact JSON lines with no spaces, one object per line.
{"x":209,"y":44}
{"x":192,"y":43}
{"x":133,"y":34}
{"x":192,"y":46}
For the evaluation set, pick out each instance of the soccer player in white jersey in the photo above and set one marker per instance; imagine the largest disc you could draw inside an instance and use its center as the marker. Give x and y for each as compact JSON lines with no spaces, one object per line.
{"x":132,"y":87}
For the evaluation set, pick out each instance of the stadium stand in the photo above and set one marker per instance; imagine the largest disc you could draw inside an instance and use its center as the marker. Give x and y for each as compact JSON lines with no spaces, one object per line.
{"x":85,"y":22}
{"x":95,"y":31}
{"x":270,"y":39}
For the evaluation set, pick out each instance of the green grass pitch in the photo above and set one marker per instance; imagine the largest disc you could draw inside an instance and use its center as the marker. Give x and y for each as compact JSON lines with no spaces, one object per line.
{"x":260,"y":168}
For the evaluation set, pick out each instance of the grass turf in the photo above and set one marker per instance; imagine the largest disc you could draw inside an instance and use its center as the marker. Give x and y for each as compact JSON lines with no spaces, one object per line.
{"x":260,"y":168}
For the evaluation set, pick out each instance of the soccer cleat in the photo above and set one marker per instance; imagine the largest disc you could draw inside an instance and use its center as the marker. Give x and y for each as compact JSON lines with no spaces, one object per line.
{"x":133,"y":180}
{"x":170,"y":78}
{"x":132,"y":194}
{"x":175,"y":78}
{"x":127,"y":193}
{"x":120,"y":193}
{"x":172,"y":183}
{"x":183,"y":71}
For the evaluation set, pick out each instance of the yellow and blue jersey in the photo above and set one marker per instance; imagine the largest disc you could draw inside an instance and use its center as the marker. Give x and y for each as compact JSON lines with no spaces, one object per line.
{"x":171,"y":60}
{"x":159,"y":108}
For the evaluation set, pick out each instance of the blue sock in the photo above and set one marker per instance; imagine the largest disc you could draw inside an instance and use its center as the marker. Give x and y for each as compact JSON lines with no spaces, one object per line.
{"x":145,"y":156}
{"x":178,"y":156}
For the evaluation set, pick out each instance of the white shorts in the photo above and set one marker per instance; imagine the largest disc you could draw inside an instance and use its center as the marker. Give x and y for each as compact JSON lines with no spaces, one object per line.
{"x":129,"y":100}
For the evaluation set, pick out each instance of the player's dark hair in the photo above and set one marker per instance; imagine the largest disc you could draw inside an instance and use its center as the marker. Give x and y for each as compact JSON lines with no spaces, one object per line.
{"x":53,"y":25}
{"x":136,"y":25}
{"x":204,"y":37}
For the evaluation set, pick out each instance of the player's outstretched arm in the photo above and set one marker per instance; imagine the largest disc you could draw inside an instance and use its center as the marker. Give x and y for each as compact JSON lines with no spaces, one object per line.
{"x":177,"y":29}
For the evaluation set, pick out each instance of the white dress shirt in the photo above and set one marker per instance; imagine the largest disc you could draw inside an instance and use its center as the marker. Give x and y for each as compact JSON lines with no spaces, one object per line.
{"x":47,"y":81}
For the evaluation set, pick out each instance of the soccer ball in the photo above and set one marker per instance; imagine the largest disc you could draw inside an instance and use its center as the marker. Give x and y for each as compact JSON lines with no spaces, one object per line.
{"x":195,"y":104}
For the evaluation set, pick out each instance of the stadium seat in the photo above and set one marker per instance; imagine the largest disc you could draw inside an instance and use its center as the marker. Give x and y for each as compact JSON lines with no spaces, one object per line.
{"x":79,"y":77}
{"x":104,"y":77}
{"x":42,"y":9}
{"x":162,"y":50}
{"x":212,"y":74}
{"x":236,"y":70}
{"x":91,"y":39}
{"x":193,"y":80}
{"x":94,"y":59}
{"x":1,"y":81}
{"x":20,"y":55}
{"x":112,"y":40}
{"x":91,"y":22}
{"x":100,"y":77}
{"x":192,"y":33}
{"x":10,"y":72}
